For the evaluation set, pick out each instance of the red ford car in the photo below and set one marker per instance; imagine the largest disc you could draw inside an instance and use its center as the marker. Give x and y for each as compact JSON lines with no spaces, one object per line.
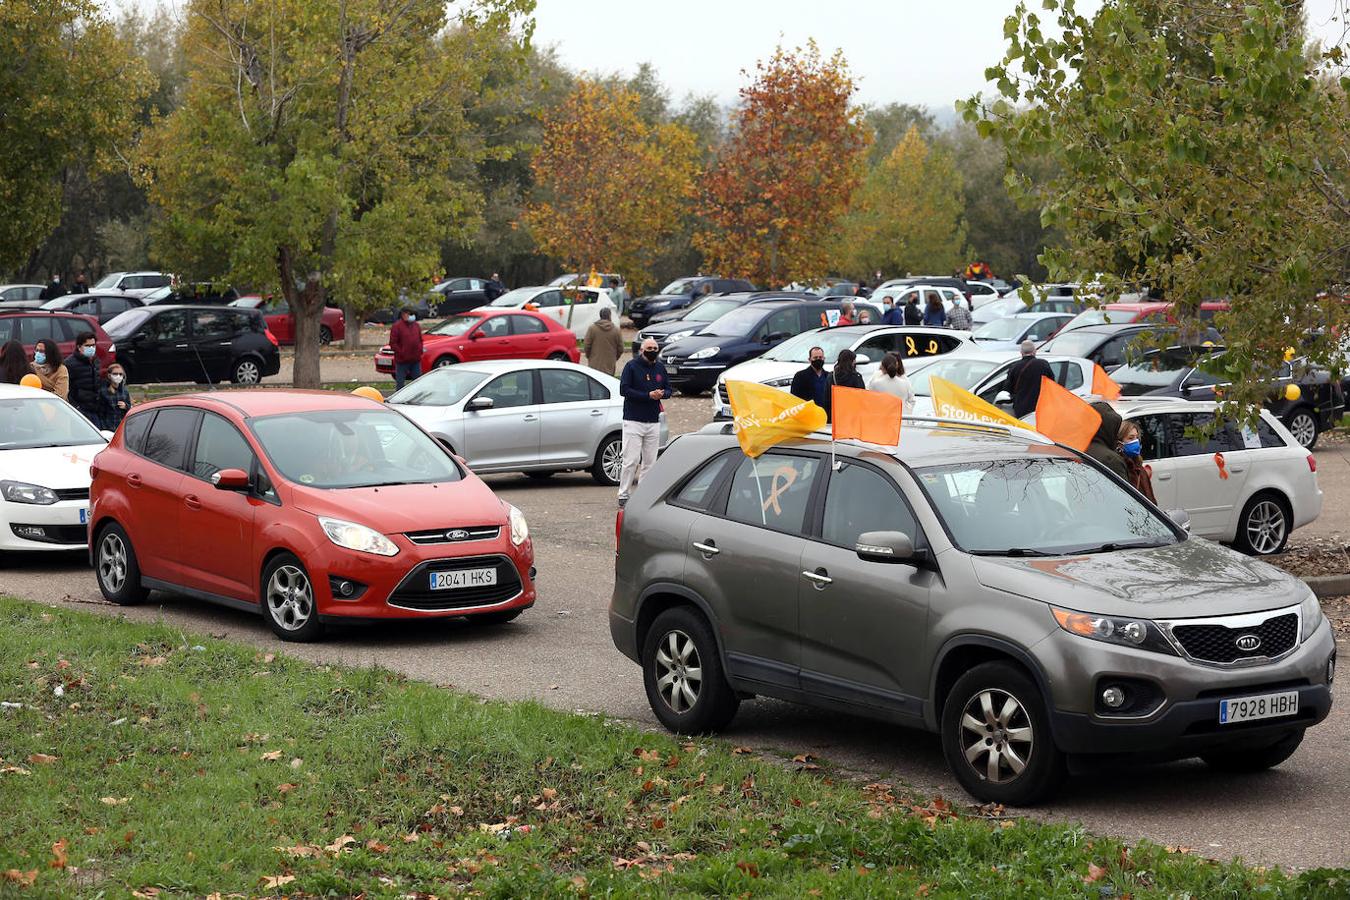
{"x":305,"y":507}
{"x":489,"y":334}
{"x":332,"y":327}
{"x":30,"y":326}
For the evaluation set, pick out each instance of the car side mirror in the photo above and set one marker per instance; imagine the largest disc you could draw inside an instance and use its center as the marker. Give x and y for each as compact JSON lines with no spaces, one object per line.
{"x":1002,"y":397}
{"x":861,"y":359}
{"x":231,"y":480}
{"x":481,"y":403}
{"x":889,"y":547}
{"x":1181,"y":519}
{"x":475,"y":335}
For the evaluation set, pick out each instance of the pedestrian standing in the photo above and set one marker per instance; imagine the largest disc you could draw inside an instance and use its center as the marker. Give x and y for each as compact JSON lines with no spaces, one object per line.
{"x":812,"y":384}
{"x":1131,"y":450}
{"x":913,"y":315}
{"x":846,"y":314}
{"x":603,"y":343}
{"x":13,"y":363}
{"x":494,"y":287}
{"x":81,"y":285}
{"x":616,"y":292}
{"x":84,"y":376}
{"x":113,"y":398}
{"x":892,"y":315}
{"x":53,"y":289}
{"x":891,"y":379}
{"x":49,"y":370}
{"x":1024,"y":380}
{"x":934,"y":315}
{"x":405,"y":340}
{"x":1106,"y":442}
{"x":845,"y":374}
{"x":644,"y":384}
{"x":959,"y":318}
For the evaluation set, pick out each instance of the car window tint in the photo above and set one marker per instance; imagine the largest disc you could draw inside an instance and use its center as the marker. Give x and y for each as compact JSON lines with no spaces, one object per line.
{"x":220,"y":446}
{"x":134,"y":428}
{"x":1200,"y":378}
{"x":772,"y":491}
{"x":547,"y":299}
{"x":167,"y":326}
{"x":169,"y":436}
{"x":6,"y":329}
{"x":132,"y":283}
{"x":1153,"y":436}
{"x":512,"y":389}
{"x":526,"y":325}
{"x":242,"y":321}
{"x":860,"y":499}
{"x":874,"y":348}
{"x":698,"y":490}
{"x":65,"y":329}
{"x":495,"y":327}
{"x":1070,"y":375}
{"x":599,"y":391}
{"x":1267,"y":436}
{"x":784,"y":323}
{"x":562,"y":386}
{"x":156,"y":281}
{"x":1225,"y":440}
{"x":114,"y":305}
{"x":213,"y":325}
{"x":1112,"y":353}
{"x":34,"y":328}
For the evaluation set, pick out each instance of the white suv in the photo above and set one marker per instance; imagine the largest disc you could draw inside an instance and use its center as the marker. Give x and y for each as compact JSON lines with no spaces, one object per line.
{"x":134,"y":284}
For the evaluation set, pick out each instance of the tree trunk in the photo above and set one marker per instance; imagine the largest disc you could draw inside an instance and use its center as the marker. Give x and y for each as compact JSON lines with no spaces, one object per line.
{"x":353,"y":339}
{"x":307,"y":311}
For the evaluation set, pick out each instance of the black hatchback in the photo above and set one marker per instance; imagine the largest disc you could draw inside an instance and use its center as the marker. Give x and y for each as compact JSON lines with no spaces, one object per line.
{"x":205,"y":344}
{"x":680,"y":293}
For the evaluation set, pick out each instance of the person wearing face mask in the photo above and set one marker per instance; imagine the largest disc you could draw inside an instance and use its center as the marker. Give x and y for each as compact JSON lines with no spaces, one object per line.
{"x":644,"y":384}
{"x":813,"y":382}
{"x":49,"y":370}
{"x":113,"y":398}
{"x":53,"y":290}
{"x":405,"y":340}
{"x":894,"y":315}
{"x":1131,"y":447}
{"x":84,"y":377}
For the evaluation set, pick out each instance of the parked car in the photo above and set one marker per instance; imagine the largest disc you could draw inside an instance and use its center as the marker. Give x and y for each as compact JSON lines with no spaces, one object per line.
{"x":45,"y":451}
{"x":574,"y":307}
{"x":1009,"y":332}
{"x":306,"y":507}
{"x":205,"y":344}
{"x":985,"y":374}
{"x":1271,"y":484}
{"x":20,"y":293}
{"x":577,"y":279}
{"x":1175,"y":372}
{"x":997,"y":309}
{"x":1109,"y":345}
{"x":281,"y":322}
{"x":985,"y":584}
{"x":523,"y":416}
{"x":489,"y":334}
{"x":30,"y":326}
{"x":1125,"y":313}
{"x":457,"y":295}
{"x":870,"y":342}
{"x":680,"y":293}
{"x":137,"y":284}
{"x":672,"y":326}
{"x":103,"y":307}
{"x":195,"y":293}
{"x":1058,"y":305}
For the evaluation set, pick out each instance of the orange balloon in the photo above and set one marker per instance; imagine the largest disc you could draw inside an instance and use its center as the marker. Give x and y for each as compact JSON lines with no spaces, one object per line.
{"x":369,"y":393}
{"x":31,"y":380}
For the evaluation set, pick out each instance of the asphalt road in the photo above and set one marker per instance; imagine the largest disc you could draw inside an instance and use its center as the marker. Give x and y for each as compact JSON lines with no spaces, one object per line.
{"x":560,"y":654}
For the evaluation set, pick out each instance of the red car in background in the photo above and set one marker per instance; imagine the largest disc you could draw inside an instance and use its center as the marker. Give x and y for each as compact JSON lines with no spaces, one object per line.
{"x":487,"y":333}
{"x":1129,"y":313}
{"x":332,"y":327}
{"x":30,"y":326}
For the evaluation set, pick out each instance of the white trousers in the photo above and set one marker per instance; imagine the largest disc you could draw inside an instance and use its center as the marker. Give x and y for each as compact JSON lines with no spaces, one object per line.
{"x":640,"y":440}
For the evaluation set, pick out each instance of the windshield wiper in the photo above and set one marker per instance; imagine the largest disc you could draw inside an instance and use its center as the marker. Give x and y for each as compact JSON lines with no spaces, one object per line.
{"x":1012,"y":551}
{"x":1111,"y":546}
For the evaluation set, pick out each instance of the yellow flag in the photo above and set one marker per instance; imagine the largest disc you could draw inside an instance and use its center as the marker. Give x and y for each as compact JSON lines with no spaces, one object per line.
{"x":766,"y":416}
{"x":953,"y":402}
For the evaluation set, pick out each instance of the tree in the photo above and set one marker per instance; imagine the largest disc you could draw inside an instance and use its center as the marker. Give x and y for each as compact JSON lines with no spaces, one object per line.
{"x":60,"y":111}
{"x":789,"y":168}
{"x":612,"y":187}
{"x":1196,"y":149}
{"x":890,"y":123}
{"x":909,"y":214}
{"x":322,"y":147}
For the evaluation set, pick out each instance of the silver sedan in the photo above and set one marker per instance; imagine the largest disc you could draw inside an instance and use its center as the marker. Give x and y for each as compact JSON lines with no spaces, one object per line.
{"x":531,"y":416}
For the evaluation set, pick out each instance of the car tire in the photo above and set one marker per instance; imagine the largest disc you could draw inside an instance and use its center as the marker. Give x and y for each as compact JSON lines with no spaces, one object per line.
{"x":1302,"y":424}
{"x":1264,"y":526}
{"x":115,"y":566}
{"x":559,"y":356}
{"x":325,"y":335}
{"x":976,"y":712}
{"x":1247,"y":760}
{"x":247,"y":370}
{"x":443,"y":361}
{"x":288,"y":601}
{"x":608,"y":463}
{"x":496,"y":618}
{"x":682,"y":673}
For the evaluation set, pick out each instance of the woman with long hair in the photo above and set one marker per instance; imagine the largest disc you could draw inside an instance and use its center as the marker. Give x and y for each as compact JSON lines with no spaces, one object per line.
{"x":13,"y":363}
{"x":891,"y":379}
{"x":47,"y":365}
{"x":845,"y":374}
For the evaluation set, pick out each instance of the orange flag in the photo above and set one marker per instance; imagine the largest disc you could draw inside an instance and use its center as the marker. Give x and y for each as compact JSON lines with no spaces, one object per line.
{"x":1103,"y":385}
{"x":1064,"y":417}
{"x":869,"y":416}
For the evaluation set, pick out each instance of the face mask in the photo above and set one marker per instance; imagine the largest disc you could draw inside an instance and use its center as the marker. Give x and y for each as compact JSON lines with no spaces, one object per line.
{"x":40,"y":358}
{"x":411,"y":318}
{"x":817,"y":364}
{"x":650,"y":355}
{"x":88,"y":352}
{"x":116,"y":377}
{"x":1131,"y":448}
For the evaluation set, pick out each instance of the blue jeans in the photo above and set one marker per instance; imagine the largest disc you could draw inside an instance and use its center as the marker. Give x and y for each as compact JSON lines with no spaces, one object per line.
{"x":405,"y":372}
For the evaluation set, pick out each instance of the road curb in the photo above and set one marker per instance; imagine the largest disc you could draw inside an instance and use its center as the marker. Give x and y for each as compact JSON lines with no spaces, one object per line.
{"x":1329,"y":585}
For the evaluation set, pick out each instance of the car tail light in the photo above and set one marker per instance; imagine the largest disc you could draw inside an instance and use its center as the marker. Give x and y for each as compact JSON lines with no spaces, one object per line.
{"x":1312,"y":463}
{"x":618,"y":529}
{"x":271,"y":337}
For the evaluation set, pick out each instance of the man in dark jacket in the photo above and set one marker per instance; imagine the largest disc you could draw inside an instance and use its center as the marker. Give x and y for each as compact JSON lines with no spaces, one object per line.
{"x":913,"y":315}
{"x":494,"y":287}
{"x":1024,"y":380}
{"x":1105,"y":446}
{"x":53,"y":289}
{"x":643,"y":384}
{"x":813,"y":382}
{"x":84,"y":378}
{"x":405,"y":341}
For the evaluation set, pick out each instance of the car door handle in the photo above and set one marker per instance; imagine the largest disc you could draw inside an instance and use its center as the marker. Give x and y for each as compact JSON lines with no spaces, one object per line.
{"x":1164,"y":476}
{"x":709,"y":550}
{"x":597,"y":412}
{"x":180,"y":346}
{"x":134,"y":480}
{"x":531,"y":417}
{"x":192,"y":501}
{"x":820,"y":578}
{"x":1236,"y":469}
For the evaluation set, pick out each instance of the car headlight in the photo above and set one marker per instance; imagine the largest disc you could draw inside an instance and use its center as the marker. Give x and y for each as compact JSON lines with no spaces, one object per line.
{"x":357,"y":537}
{"x":657,"y":304}
{"x":520,"y":532}
{"x":1311,"y":614}
{"x":705,"y":353}
{"x":1139,"y":633}
{"x":22,"y":492}
{"x":779,"y":382}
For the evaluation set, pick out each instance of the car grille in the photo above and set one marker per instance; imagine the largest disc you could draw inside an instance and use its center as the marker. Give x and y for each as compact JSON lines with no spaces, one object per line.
{"x":1219,"y":644}
{"x":454,"y":535}
{"x":72,"y":493}
{"x":413,"y":592}
{"x":722,"y":393}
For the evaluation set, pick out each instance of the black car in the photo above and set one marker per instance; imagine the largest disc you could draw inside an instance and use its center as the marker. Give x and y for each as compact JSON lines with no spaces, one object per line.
{"x":672,"y":326}
{"x":421,"y":308}
{"x":695,"y":361}
{"x":194,"y":293}
{"x":1175,"y":372}
{"x":104,"y":307}
{"x":205,"y":344}
{"x":457,"y":295}
{"x":680,"y":293}
{"x":1107,"y":345}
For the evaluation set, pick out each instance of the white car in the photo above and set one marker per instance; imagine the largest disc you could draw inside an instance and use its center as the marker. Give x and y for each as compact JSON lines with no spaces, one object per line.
{"x":1271,"y":487}
{"x":46,"y":448}
{"x":523,"y":415}
{"x":135,"y":284}
{"x":871,"y":342}
{"x":985,"y":374}
{"x":574,"y":307}
{"x":1009,"y":332}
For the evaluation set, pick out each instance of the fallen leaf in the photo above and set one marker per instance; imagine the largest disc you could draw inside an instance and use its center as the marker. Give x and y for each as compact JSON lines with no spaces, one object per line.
{"x":741,"y":751}
{"x":276,"y":881}
{"x":297,"y":763}
{"x":268,"y":657}
{"x":658,"y":823}
{"x":41,"y":759}
{"x":338,"y":845}
{"x":146,"y":893}
{"x":92,"y":829}
{"x":285,"y":788}
{"x":1095,"y":873}
{"x":375,"y":846}
{"x":549,"y":793}
{"x":748,"y":868}
{"x":59,"y":854}
{"x":62,"y":664}
{"x":114,"y":801}
{"x":302,"y":851}
{"x":14,"y":770}
{"x":803,"y":758}
{"x":272,"y":755}
{"x":922,"y":890}
{"x":456,"y":810}
{"x":150,"y":661}
{"x":411,"y":838}
{"x":23,"y":879}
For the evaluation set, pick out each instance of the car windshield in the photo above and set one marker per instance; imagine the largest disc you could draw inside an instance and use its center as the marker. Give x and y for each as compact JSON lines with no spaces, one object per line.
{"x":1097,"y":317}
{"x":108,"y":281}
{"x":962,"y":372}
{"x":1043,"y":505}
{"x":995,"y":309}
{"x":518,"y":297}
{"x":1074,"y":343}
{"x":29,"y":422}
{"x":456,"y":325}
{"x":444,"y":386}
{"x":679,"y":286}
{"x":1158,"y":369}
{"x":1009,"y":329}
{"x":710,"y":310}
{"x":158,"y":294}
{"x":796,"y":349}
{"x":737,"y":323}
{"x":350,"y":448}
{"x":244,"y":303}
{"x":125,"y":323}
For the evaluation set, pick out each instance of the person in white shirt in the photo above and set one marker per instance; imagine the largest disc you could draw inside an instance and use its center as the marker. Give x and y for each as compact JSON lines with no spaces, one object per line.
{"x":891,"y":379}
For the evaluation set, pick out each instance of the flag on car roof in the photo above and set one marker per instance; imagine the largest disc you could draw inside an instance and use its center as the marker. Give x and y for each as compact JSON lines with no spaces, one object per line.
{"x":953,"y":402}
{"x":1104,"y":385}
{"x":766,"y":416}
{"x":869,"y":416}
{"x":1064,"y":417}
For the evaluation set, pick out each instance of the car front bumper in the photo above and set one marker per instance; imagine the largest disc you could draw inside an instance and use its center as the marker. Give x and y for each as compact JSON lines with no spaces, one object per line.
{"x":53,"y":527}
{"x":695,"y":377}
{"x":384,"y":364}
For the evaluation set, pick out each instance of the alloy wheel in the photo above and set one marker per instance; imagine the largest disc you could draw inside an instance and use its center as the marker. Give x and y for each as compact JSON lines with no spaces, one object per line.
{"x":1265,"y":527}
{"x":325,"y":336}
{"x":247,"y":372}
{"x":445,"y":361}
{"x":611,"y":460}
{"x":996,"y":735}
{"x":1304,"y":429}
{"x":290,"y":600}
{"x":679,"y":671}
{"x":112,"y":562}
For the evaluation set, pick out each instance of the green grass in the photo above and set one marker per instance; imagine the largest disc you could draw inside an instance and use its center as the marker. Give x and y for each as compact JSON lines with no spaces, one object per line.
{"x":196,"y":766}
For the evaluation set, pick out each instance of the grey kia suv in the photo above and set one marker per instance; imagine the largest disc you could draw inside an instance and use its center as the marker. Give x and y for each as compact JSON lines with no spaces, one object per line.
{"x":987,"y":584}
